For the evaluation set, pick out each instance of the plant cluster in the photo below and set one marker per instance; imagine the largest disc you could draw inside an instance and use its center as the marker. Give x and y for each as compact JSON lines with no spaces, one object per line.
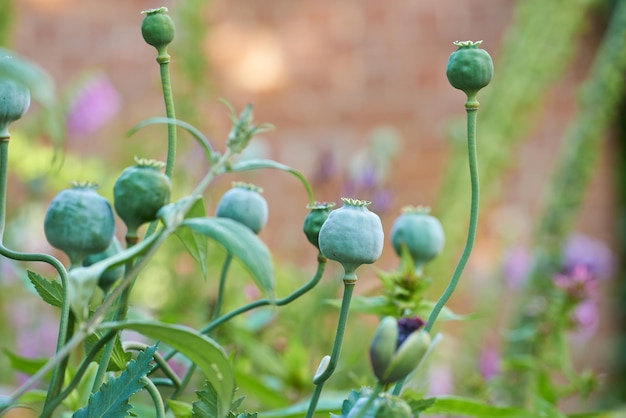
{"x":93,"y":293}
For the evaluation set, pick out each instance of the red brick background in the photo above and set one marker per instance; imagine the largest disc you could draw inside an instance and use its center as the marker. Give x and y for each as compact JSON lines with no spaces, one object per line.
{"x":326,"y":74}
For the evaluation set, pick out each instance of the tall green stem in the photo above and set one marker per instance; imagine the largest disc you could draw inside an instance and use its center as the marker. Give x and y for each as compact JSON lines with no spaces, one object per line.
{"x":471,"y":107}
{"x":330,"y":363}
{"x":58,"y":374}
{"x":164,"y":60}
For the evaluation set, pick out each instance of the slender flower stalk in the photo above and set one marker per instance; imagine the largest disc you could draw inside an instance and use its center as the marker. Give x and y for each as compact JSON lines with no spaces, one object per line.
{"x":329,"y":363}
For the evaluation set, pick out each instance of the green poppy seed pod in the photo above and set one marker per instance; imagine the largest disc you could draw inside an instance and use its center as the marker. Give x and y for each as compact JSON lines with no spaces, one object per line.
{"x":79,"y":222}
{"x":245,"y":204}
{"x":352,"y":235}
{"x":314,"y":220}
{"x":111,"y":275}
{"x":158,"y":28}
{"x":14,"y":102}
{"x":469,"y":68}
{"x":421,"y":234}
{"x":139,"y":192}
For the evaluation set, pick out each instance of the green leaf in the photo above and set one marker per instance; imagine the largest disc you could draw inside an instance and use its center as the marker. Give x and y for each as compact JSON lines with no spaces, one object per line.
{"x":201,"y":350}
{"x":119,"y":357}
{"x":375,"y":305}
{"x":425,"y":307}
{"x":25,"y":365}
{"x":49,"y":290}
{"x":242,"y":243}
{"x":207,"y":404}
{"x":195,"y":243}
{"x":471,"y":408}
{"x":180,"y":409}
{"x":327,"y":404}
{"x":256,"y":164}
{"x":111,"y":401}
{"x":419,"y":405}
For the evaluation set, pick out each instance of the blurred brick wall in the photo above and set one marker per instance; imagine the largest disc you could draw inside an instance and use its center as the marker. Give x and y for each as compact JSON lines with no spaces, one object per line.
{"x":325,"y":73}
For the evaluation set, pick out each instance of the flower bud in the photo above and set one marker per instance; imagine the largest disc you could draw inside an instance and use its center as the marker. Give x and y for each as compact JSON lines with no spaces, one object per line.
{"x":314,"y":220}
{"x":394,"y":354}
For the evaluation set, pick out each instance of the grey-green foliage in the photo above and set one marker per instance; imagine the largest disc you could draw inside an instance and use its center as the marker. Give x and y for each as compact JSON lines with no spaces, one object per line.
{"x":536,"y":49}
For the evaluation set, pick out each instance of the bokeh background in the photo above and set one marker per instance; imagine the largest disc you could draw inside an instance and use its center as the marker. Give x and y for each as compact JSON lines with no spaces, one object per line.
{"x":361,"y":105}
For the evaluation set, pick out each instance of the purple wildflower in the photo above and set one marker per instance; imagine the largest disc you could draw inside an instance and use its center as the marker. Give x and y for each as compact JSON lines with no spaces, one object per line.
{"x":489,"y":362}
{"x":93,"y":105}
{"x":577,"y":282}
{"x":589,"y":252}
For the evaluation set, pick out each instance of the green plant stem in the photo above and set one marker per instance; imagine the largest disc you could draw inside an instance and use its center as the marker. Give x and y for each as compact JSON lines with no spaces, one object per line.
{"x":471,"y":108}
{"x":158,"y":359}
{"x":156,"y":397}
{"x":370,"y":400}
{"x":119,"y":314}
{"x":164,"y":60}
{"x":321,"y":265}
{"x":50,"y":406}
{"x":58,"y":374}
{"x":322,"y":376}
{"x":222,"y":286}
{"x":148,"y":248}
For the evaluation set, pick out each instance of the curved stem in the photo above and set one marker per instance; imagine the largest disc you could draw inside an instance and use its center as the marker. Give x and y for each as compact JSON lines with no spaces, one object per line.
{"x":156,"y":397}
{"x":158,"y":359}
{"x":471,"y":108}
{"x":148,"y":248}
{"x":323,"y":375}
{"x":321,"y":265}
{"x":58,"y":374}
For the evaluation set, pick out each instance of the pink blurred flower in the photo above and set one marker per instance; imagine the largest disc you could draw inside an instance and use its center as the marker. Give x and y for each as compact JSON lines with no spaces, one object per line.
{"x":489,"y":362}
{"x":93,"y":105}
{"x":516,"y":266}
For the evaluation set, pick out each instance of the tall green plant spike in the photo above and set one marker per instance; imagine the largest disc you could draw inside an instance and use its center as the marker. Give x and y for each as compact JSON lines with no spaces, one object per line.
{"x":111,"y":401}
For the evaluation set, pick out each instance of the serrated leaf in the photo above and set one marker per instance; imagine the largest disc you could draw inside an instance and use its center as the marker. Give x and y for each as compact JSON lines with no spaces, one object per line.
{"x":195,"y":243}
{"x":471,"y":408}
{"x":119,"y":357}
{"x":24,"y":365}
{"x":50,"y":291}
{"x":200,"y":349}
{"x":111,"y":400}
{"x":180,"y":409}
{"x":242,"y":243}
{"x":207,"y":404}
